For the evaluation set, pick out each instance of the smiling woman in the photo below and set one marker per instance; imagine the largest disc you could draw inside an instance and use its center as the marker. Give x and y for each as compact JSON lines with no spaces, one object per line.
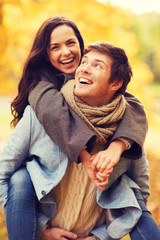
{"x":65,"y":53}
{"x":64,"y":49}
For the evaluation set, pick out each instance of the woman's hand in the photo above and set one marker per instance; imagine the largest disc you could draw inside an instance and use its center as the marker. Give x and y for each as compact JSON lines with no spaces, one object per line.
{"x":105,"y":160}
{"x":57,"y":234}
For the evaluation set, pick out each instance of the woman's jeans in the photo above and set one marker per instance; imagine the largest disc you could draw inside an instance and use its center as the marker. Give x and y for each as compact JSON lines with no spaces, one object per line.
{"x":146,"y":228}
{"x":21,"y":217}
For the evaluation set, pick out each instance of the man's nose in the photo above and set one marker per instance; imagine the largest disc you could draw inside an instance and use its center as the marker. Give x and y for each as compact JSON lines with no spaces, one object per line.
{"x":86,"y":69}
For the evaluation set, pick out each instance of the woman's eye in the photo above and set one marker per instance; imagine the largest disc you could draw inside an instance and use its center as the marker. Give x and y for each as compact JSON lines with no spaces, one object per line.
{"x":54,"y":47}
{"x":71,"y":43}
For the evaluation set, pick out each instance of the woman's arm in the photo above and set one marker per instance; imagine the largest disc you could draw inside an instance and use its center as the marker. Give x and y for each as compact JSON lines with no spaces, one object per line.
{"x":133,"y":126}
{"x":69,"y":131}
{"x":60,"y":122}
{"x":13,"y":155}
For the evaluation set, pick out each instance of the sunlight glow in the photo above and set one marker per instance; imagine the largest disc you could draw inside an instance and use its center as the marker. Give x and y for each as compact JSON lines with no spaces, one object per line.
{"x":136,"y":6}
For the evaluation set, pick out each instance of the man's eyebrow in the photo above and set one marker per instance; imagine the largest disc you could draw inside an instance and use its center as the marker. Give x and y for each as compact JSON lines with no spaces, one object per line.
{"x":95,"y":60}
{"x":101,"y":61}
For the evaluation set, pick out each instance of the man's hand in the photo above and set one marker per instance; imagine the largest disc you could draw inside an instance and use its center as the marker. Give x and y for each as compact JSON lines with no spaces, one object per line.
{"x":85,"y":160}
{"x":57,"y":234}
{"x":87,"y":238}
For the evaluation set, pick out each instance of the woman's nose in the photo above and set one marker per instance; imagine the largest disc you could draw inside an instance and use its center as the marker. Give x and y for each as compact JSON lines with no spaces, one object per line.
{"x":65,"y":51}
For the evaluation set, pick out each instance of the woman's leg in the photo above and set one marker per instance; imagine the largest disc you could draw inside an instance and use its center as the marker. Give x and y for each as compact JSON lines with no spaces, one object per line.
{"x":21,"y":216}
{"x":146,"y":228}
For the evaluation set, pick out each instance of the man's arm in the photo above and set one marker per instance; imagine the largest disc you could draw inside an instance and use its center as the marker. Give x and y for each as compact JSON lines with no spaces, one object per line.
{"x":133,"y":126}
{"x":60,"y":122}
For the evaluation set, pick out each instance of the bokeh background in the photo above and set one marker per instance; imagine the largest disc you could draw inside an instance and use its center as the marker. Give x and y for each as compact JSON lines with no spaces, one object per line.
{"x":137,"y":32}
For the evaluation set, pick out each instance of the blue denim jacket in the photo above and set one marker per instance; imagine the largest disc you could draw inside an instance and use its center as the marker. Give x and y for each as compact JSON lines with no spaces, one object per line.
{"x":47,"y":166}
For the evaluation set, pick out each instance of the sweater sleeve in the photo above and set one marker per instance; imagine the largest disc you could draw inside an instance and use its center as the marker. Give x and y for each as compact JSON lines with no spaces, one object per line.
{"x":133,"y":126}
{"x":60,"y":122}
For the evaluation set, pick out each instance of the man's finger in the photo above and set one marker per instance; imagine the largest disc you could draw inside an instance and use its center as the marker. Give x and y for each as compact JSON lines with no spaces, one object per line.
{"x":68,"y":234}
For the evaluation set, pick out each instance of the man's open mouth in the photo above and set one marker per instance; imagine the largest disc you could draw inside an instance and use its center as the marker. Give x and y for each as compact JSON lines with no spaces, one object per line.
{"x":85,"y":81}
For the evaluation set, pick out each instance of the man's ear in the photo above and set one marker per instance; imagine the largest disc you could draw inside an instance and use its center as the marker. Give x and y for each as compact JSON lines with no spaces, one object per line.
{"x":117,"y":85}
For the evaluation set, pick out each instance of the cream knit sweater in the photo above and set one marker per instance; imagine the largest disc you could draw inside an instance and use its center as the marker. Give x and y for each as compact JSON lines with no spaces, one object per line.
{"x":77,"y":209}
{"x":75,"y":195}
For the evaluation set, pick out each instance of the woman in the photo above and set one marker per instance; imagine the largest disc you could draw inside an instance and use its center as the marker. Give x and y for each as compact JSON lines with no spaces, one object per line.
{"x":38,"y":67}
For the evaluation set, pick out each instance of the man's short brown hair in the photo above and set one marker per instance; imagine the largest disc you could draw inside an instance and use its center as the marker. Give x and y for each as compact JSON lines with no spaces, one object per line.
{"x":121,"y":68}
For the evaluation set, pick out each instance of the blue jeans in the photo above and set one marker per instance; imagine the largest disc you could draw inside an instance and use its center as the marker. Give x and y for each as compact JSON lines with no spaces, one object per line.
{"x":21,"y":216}
{"x":22,"y":208}
{"x":146,"y":228}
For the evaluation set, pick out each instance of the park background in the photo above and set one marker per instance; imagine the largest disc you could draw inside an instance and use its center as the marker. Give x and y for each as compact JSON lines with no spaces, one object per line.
{"x":138,"y":34}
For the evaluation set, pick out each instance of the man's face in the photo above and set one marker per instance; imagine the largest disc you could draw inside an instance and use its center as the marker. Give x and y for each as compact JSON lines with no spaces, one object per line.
{"x":92,"y":79}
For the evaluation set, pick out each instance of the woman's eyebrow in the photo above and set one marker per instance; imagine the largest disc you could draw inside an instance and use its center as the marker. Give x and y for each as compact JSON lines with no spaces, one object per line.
{"x":71,"y":39}
{"x":55,"y":44}
{"x":68,"y":40}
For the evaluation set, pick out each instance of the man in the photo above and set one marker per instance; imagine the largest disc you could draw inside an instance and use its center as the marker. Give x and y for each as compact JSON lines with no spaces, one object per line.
{"x":52,"y":173}
{"x":100,"y":80}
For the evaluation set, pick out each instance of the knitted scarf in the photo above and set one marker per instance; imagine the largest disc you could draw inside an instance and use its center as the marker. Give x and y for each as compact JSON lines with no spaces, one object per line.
{"x":103,"y":120}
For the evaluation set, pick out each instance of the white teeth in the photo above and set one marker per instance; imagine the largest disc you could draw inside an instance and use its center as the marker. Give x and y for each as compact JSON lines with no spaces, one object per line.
{"x":67,"y":61}
{"x":84,"y":80}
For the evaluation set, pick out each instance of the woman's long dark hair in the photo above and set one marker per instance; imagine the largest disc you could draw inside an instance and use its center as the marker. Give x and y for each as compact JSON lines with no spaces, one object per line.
{"x":36,"y":60}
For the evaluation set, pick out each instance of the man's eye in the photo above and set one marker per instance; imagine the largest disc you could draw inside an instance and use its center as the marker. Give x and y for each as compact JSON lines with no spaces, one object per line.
{"x":83,"y":63}
{"x":97,"y":66}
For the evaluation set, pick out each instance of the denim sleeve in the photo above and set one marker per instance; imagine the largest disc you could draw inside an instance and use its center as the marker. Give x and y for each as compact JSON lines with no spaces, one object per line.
{"x":13,"y":154}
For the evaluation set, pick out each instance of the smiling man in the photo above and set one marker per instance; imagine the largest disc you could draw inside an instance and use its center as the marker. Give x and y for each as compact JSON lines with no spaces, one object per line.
{"x":97,"y":96}
{"x":94,"y":83}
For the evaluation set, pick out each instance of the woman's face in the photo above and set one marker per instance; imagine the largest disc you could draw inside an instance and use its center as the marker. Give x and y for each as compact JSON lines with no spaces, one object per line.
{"x":64,"y":50}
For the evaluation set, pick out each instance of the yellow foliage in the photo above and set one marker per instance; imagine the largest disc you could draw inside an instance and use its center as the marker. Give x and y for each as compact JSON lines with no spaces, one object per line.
{"x":95,"y":20}
{"x":142,"y":75}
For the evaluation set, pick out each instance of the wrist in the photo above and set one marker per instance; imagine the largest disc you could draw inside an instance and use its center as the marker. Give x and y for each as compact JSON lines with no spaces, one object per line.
{"x":126,"y":142}
{"x":118,"y":145}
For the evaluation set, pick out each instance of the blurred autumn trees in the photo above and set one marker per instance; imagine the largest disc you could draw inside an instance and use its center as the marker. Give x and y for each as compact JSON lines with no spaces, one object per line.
{"x":138,"y":35}
{"x":19,"y":21}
